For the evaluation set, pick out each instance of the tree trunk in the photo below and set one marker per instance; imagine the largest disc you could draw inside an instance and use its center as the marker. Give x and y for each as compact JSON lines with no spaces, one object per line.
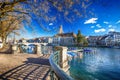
{"x":3,"y":42}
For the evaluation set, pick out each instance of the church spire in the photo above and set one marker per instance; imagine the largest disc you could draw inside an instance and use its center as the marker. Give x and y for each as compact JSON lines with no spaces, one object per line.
{"x":60,"y":29}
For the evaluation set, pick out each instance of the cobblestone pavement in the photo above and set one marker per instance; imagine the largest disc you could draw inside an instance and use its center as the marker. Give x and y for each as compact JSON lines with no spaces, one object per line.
{"x":33,"y":69}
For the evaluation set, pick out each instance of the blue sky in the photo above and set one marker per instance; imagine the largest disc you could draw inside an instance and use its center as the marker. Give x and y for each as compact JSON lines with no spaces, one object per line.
{"x":105,"y":18}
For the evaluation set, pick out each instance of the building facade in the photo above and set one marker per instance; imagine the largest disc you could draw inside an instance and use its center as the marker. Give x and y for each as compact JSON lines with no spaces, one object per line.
{"x":113,"y":39}
{"x":64,"y":39}
{"x":110,"y":39}
{"x":93,"y":40}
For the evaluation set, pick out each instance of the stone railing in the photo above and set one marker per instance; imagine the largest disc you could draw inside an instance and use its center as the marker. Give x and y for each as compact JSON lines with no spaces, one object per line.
{"x":59,"y":64}
{"x":58,"y":61}
{"x":18,"y":49}
{"x":38,"y":49}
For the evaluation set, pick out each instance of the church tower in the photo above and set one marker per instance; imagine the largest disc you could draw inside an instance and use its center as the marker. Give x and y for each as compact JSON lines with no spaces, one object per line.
{"x":60,"y":30}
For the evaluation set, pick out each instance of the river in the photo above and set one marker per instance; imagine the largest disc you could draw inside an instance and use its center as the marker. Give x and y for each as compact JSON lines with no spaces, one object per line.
{"x":102,"y":65}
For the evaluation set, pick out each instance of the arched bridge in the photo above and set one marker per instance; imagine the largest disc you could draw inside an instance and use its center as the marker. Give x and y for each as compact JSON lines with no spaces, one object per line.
{"x":33,"y":43}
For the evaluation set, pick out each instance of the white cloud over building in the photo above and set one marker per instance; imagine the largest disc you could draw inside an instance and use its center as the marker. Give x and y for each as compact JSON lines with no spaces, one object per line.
{"x":91,"y":21}
{"x":99,"y":30}
{"x":111,"y":29}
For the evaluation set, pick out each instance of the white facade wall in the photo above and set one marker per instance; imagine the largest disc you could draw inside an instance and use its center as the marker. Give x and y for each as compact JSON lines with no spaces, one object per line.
{"x":24,"y":41}
{"x":63,"y":41}
{"x":50,"y":40}
{"x":67,"y":41}
{"x":113,"y":39}
{"x":56,"y":40}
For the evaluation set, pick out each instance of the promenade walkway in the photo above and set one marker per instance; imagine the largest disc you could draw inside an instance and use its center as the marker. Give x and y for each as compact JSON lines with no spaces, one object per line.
{"x":32,"y":69}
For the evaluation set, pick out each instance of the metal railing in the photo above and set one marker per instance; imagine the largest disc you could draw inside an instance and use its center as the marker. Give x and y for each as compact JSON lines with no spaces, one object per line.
{"x":54,"y":62}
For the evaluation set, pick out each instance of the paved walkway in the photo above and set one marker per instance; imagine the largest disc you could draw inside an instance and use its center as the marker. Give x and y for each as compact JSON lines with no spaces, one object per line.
{"x":33,"y":69}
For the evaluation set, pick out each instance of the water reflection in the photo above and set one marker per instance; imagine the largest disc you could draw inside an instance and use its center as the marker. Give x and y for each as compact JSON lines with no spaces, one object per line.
{"x":28,"y":48}
{"x":102,"y":65}
{"x":80,"y":55}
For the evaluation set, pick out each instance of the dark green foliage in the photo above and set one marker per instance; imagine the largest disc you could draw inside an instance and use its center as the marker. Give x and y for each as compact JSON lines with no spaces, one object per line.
{"x":81,"y":40}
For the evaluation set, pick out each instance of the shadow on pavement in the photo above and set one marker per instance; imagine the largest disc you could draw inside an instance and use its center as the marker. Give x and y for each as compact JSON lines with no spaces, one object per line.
{"x":32,"y":69}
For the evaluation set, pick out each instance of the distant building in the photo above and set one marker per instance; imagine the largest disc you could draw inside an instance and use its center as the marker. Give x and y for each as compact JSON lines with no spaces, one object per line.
{"x":110,"y":39}
{"x":30,"y":41}
{"x":102,"y":41}
{"x":113,"y":39}
{"x":60,"y":30}
{"x":22,"y":40}
{"x":93,"y":40}
{"x":49,"y":40}
{"x":64,"y":39}
{"x":36,"y":40}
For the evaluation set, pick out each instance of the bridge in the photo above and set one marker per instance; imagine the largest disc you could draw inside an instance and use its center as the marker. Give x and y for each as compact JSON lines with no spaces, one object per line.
{"x":78,"y":50}
{"x":33,"y":43}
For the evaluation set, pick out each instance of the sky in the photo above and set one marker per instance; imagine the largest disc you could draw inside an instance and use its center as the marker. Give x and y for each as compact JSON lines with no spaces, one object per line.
{"x":106,"y":18}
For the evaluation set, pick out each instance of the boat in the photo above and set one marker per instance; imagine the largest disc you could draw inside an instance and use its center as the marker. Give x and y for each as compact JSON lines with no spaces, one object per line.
{"x":71,"y":54}
{"x":87,"y":50}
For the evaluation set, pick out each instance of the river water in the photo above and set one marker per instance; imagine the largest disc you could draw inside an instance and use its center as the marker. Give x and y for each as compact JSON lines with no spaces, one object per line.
{"x":102,"y":65}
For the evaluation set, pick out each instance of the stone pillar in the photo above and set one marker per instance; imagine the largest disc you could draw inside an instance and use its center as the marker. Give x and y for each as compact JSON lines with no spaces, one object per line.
{"x":63,"y":58}
{"x":14,"y":49}
{"x":38,"y":50}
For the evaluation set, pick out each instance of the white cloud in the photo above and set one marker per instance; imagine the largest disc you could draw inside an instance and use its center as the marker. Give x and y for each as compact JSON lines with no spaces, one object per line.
{"x":110,"y":26}
{"x":91,"y":21}
{"x":118,"y":22}
{"x":111,"y":29}
{"x":92,"y":26}
{"x":106,"y":22}
{"x":50,"y":24}
{"x":99,"y":30}
{"x":98,"y":25}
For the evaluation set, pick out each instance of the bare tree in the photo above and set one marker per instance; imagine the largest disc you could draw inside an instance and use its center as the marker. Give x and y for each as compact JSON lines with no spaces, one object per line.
{"x":16,"y":12}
